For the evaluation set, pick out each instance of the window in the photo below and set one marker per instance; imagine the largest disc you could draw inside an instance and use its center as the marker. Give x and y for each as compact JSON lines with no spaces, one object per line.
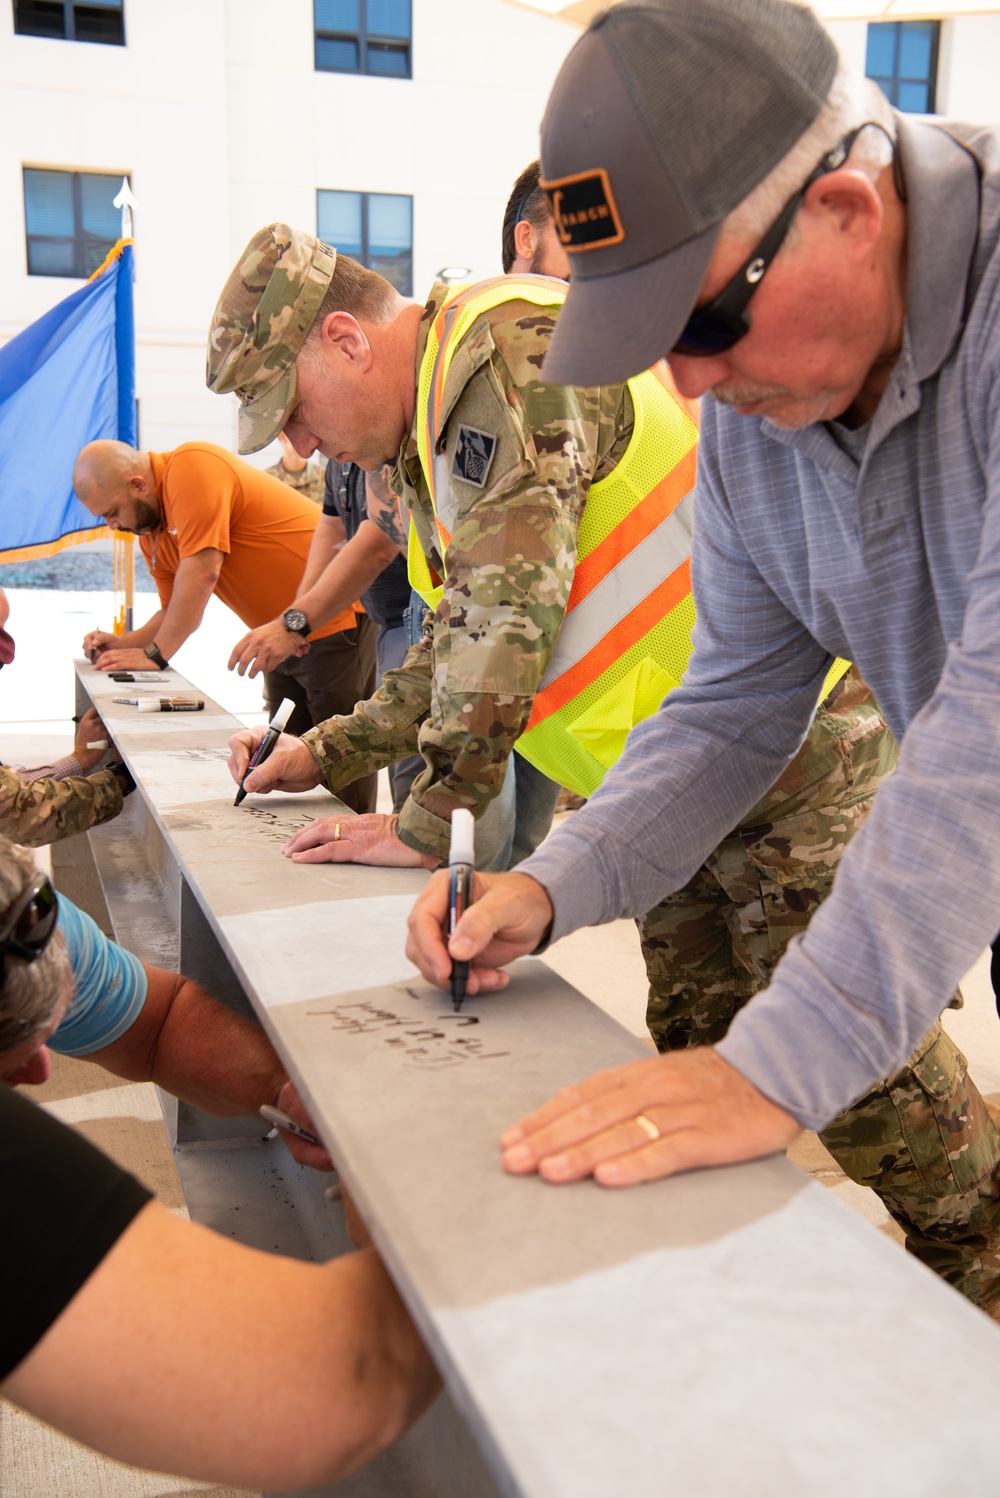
{"x":374,"y":228}
{"x":70,"y":220}
{"x":363,"y":36}
{"x":96,"y":21}
{"x":902,"y":59}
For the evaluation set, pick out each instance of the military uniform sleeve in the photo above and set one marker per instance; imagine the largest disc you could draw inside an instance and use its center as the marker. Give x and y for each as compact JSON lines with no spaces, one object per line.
{"x":43,"y":811}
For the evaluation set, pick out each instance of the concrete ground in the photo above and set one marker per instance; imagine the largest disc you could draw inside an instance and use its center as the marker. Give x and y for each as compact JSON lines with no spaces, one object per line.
{"x":36,"y":705}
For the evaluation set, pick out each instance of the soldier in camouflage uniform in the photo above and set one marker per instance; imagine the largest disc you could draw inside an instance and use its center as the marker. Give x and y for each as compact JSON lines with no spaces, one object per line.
{"x":924,"y":1140}
{"x":305,"y":477}
{"x":37,"y":812}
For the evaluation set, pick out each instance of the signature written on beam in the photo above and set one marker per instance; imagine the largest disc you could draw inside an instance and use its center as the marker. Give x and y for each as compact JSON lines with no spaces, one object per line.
{"x":443,"y":1042}
{"x":279,"y":828}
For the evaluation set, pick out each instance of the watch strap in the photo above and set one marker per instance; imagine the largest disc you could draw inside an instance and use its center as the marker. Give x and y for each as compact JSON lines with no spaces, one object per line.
{"x":154,"y":654}
{"x":304,"y":629}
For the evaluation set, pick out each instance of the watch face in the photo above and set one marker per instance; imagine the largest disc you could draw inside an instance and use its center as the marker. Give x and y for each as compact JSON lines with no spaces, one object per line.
{"x":296,"y":621}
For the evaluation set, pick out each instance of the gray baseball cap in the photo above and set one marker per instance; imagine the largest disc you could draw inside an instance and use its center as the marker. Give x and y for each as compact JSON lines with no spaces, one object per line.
{"x":664,"y":117}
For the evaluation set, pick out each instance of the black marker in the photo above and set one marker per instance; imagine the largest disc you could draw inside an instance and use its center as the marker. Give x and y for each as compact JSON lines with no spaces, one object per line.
{"x":282,"y":1121}
{"x":163,"y":704}
{"x":462,"y":863}
{"x":275,"y":729}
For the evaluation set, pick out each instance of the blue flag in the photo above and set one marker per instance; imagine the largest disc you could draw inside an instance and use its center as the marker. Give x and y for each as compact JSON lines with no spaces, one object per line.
{"x":66,"y":380}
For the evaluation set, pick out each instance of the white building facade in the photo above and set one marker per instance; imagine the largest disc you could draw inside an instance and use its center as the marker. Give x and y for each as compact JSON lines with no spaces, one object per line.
{"x":218,"y":115}
{"x":222,"y":120}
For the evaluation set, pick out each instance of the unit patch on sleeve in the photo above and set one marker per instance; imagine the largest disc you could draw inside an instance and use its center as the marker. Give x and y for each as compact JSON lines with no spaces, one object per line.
{"x":473,"y":456}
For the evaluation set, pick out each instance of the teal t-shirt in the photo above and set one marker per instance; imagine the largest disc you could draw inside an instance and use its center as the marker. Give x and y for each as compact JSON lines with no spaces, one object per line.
{"x":109,"y":986}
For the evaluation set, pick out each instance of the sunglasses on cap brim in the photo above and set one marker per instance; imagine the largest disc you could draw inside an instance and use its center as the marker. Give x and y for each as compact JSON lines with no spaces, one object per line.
{"x":28,"y":926}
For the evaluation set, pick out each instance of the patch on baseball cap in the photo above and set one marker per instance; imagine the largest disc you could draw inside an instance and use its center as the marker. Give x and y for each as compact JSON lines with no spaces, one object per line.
{"x":263,"y":317}
{"x":584,"y":210}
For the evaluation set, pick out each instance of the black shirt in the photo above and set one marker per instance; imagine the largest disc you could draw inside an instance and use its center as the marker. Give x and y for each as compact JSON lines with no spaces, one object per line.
{"x":389,"y":594}
{"x":64,"y":1206}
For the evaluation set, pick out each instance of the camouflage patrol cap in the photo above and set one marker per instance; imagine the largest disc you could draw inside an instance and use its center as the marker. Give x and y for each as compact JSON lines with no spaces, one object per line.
{"x":260,"y":323}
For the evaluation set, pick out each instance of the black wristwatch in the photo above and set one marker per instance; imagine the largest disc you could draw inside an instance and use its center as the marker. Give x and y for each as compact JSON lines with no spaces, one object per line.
{"x":153,"y":651}
{"x":296,"y":622}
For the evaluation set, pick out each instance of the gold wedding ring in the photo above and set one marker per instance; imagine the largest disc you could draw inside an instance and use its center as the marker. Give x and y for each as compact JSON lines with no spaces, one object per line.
{"x":336,"y":832}
{"x":647,"y":1126}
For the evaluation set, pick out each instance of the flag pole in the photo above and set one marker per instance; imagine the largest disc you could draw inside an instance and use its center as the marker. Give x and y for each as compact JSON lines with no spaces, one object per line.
{"x":124,"y":621}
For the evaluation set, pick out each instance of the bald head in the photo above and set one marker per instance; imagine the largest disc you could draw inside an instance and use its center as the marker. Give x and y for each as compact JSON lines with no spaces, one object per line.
{"x":115,"y":483}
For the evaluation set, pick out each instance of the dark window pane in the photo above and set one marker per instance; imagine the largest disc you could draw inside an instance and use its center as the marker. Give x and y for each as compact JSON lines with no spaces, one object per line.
{"x":915,"y":44}
{"x":390,"y":18}
{"x":388,"y":61}
{"x":337,"y":15}
{"x":48,"y":202}
{"x":337,"y":55}
{"x":51,"y":257}
{"x":912,"y":98}
{"x":39,"y":18}
{"x":338,"y":221}
{"x":881,"y":55}
{"x":390,"y":223}
{"x":101,"y":219}
{"x":94,"y":24}
{"x":70,"y":220}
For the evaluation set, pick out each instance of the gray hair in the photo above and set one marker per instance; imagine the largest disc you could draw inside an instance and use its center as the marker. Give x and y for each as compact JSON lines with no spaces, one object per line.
{"x":851,"y":102}
{"x":32,"y":990}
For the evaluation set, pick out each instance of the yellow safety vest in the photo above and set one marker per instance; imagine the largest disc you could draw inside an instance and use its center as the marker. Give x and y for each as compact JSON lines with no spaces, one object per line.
{"x":625,"y":640}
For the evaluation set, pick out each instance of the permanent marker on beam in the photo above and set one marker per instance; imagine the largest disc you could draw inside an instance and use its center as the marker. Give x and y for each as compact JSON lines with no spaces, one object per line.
{"x":462,"y":864}
{"x":162,"y":704}
{"x":275,"y":729}
{"x":283,"y":1121}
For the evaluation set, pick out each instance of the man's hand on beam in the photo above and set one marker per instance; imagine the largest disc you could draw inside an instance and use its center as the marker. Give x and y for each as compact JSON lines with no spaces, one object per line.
{"x":125,"y":658}
{"x":649,"y":1119}
{"x":289,"y":766}
{"x":509,"y":916}
{"x":352,"y":839}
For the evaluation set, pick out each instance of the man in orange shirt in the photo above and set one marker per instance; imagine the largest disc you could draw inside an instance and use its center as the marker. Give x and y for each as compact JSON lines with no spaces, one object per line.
{"x":209,"y":523}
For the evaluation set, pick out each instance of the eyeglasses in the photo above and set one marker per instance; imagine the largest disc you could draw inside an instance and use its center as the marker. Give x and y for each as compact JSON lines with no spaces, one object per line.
{"x":715,"y":328}
{"x":28,"y":926}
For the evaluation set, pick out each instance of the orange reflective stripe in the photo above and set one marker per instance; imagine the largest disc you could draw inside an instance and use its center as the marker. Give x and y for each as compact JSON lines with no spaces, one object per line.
{"x":629,"y":533}
{"x":638,"y":622}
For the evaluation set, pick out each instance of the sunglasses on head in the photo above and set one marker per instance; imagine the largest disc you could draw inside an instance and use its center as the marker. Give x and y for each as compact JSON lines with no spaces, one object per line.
{"x":715,"y":328}
{"x":27,"y":927}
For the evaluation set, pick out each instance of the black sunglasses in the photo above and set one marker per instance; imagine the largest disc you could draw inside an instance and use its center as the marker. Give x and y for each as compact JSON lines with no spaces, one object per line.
{"x":715,"y":328}
{"x":28,"y":926}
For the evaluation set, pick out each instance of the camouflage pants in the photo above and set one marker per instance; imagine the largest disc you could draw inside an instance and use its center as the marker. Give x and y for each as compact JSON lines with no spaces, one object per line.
{"x":923,"y":1139}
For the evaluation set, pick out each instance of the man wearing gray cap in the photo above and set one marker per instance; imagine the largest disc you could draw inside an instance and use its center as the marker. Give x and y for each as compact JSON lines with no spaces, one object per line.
{"x":830,"y":273}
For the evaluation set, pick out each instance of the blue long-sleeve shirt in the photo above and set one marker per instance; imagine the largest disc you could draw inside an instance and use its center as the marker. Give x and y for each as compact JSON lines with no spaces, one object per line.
{"x":801,"y":554}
